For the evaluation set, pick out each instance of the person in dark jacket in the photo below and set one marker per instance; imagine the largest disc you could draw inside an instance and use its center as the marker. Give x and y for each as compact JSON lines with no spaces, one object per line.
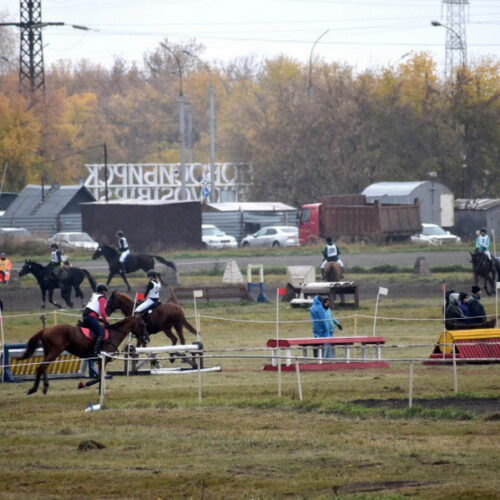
{"x":477,"y":312}
{"x":454,"y":316}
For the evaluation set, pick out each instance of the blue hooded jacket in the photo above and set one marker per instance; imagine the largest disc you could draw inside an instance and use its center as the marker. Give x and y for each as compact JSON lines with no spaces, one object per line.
{"x":322,"y":319}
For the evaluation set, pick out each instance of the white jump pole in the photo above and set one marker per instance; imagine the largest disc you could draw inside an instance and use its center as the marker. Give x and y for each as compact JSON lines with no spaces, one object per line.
{"x":443,"y":289}
{"x":455,"y":373}
{"x":299,"y":382}
{"x":103,"y":381}
{"x":381,"y":291}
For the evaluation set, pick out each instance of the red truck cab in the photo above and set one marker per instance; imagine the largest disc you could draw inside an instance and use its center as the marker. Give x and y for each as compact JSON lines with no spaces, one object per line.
{"x":309,"y":220}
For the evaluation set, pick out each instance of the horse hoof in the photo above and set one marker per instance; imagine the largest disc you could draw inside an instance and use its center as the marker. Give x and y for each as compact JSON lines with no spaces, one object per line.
{"x":81,"y":385}
{"x":42,"y":306}
{"x":44,"y":390}
{"x":31,"y":391}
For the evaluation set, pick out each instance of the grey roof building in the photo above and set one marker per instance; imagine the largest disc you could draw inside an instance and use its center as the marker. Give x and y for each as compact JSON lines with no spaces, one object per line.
{"x":47,"y":210}
{"x":473,"y":214}
{"x":436,"y":200}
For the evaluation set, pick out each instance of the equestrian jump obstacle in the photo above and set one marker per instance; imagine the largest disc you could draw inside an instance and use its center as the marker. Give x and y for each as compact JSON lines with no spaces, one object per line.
{"x":66,"y":365}
{"x":332,"y":288}
{"x":135,"y":364}
{"x":283,"y":349}
{"x":481,"y":345}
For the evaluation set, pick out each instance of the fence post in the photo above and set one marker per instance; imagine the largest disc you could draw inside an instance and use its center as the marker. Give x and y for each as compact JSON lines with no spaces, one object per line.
{"x":455,"y":372}
{"x":102,"y":385}
{"x":299,"y":382}
{"x":355,"y":324}
{"x":410,"y":386}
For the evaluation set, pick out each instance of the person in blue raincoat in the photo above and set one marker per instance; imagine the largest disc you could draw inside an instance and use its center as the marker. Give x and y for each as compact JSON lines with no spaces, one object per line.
{"x":323,"y":321}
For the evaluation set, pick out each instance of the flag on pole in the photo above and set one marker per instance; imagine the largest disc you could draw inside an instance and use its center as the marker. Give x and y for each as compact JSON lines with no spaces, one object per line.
{"x":498,"y":285}
{"x":443,"y":287}
{"x":382,"y":290}
{"x":281,"y":291}
{"x":139,"y":296}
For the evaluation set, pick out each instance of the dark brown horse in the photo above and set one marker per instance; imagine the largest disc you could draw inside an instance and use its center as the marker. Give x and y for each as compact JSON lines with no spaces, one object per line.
{"x":483,"y":268}
{"x":163,"y":318}
{"x":333,"y":271}
{"x":55,"y":339}
{"x":133,"y":263}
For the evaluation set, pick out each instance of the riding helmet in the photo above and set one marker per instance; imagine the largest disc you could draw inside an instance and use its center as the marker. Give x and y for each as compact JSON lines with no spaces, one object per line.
{"x":483,"y":230}
{"x":101,"y":287}
{"x":54,"y":245}
{"x":151,"y":273}
{"x":119,"y":233}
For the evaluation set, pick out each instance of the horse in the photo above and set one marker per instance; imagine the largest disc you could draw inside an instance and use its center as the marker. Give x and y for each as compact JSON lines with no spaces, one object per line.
{"x":483,"y":268}
{"x":333,"y":271}
{"x":132,"y":263}
{"x":67,"y":279}
{"x":163,"y":318}
{"x":55,"y":339}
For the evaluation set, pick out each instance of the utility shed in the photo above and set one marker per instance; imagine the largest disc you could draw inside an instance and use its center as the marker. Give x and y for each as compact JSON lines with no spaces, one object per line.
{"x":240,"y":219}
{"x":150,"y":226}
{"x":473,"y":214}
{"x":436,"y":200}
{"x":47,"y":209}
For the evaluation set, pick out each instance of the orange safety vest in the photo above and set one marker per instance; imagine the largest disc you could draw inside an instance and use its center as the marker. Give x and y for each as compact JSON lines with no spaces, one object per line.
{"x":5,"y":268}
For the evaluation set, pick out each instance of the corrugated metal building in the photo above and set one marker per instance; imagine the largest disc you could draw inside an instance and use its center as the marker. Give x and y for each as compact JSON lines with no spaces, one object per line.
{"x":471,"y":215}
{"x":436,"y":200}
{"x":47,"y":210}
{"x":150,"y":226}
{"x":240,"y":219}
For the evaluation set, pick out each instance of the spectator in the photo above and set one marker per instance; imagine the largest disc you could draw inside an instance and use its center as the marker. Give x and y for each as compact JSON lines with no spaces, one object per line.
{"x":476,"y":310}
{"x":323,"y":322}
{"x":5,"y":268}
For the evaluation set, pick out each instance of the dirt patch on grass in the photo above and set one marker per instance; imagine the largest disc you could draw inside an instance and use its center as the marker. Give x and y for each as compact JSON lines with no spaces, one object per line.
{"x":479,"y":406}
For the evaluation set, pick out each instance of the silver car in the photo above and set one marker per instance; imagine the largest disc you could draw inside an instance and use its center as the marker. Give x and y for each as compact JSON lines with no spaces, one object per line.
{"x":74,"y":240}
{"x":273,"y":236}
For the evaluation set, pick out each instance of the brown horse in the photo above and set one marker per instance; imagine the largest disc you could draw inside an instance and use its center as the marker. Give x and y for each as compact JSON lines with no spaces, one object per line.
{"x":163,"y":318}
{"x":333,"y":271}
{"x":55,"y":339}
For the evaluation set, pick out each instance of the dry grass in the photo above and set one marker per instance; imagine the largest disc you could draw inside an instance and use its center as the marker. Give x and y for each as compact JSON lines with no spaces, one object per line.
{"x":242,"y":441}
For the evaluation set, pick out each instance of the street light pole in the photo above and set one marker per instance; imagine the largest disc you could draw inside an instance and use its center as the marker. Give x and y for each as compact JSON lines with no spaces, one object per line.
{"x":211,"y":112}
{"x":181,"y":121}
{"x":309,"y":85}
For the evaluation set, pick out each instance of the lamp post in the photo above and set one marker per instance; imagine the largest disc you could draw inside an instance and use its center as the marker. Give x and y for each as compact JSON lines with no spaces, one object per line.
{"x":309,"y":85}
{"x":432,"y":176}
{"x":181,"y":120}
{"x":211,"y":112}
{"x":461,"y":46}
{"x":464,"y":167}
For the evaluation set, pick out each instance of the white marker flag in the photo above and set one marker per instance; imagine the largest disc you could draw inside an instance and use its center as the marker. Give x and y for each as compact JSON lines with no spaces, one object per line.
{"x":382,"y":290}
{"x":498,"y":285}
{"x":197,"y":294}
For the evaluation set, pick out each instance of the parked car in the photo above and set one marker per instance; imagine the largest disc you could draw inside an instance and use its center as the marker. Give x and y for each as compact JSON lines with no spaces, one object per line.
{"x":74,"y":240}
{"x":15,"y":232}
{"x":272,"y":236}
{"x":434,"y":235}
{"x":213,"y":237}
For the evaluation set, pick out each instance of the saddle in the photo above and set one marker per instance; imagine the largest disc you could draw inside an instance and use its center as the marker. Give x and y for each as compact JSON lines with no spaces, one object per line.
{"x":88,"y":332}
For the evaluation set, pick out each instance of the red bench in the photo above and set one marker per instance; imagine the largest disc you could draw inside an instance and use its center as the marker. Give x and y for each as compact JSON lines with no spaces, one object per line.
{"x":283,"y":348}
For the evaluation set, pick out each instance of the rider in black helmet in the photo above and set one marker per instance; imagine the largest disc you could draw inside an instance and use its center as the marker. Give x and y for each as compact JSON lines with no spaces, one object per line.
{"x":123,"y":249}
{"x":95,"y":310}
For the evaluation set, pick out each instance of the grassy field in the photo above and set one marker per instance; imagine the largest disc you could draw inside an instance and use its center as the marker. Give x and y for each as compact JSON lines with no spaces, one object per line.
{"x":352,"y":436}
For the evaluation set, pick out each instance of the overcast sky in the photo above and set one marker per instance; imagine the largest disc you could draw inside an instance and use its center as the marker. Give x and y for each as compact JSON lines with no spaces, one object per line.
{"x":364,"y":33}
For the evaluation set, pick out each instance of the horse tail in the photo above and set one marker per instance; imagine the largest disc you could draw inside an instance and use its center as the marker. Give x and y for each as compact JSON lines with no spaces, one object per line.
{"x":165,"y":262}
{"x":189,"y":326}
{"x":32,"y":345}
{"x":91,"y":279}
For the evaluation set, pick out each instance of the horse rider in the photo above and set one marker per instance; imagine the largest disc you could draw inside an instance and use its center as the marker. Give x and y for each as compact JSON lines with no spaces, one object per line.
{"x":56,"y":259}
{"x":5,"y":268}
{"x":330,"y":253}
{"x":151,"y":294}
{"x":123,"y":249}
{"x":483,"y":244}
{"x":95,"y":310}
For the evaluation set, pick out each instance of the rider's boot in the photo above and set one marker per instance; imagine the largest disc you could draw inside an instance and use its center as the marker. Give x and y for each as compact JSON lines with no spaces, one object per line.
{"x":98,"y":347}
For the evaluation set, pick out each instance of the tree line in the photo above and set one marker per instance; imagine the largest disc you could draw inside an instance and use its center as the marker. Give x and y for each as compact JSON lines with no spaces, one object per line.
{"x":307,"y":131}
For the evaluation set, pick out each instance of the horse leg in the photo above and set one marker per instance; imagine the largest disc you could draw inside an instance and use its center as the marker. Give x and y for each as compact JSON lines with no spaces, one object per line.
{"x":44,"y":292}
{"x":41,"y":371}
{"x":51,"y":300}
{"x":124,"y":277}
{"x":66,"y":295}
{"x":178,"y":329}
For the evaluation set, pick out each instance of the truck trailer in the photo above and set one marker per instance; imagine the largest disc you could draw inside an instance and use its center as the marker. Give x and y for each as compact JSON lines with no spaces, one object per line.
{"x":352,"y":218}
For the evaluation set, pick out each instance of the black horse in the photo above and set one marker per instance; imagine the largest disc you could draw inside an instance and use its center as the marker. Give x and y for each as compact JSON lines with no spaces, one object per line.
{"x":68,"y":278}
{"x":133,"y":263}
{"x":483,"y":268}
